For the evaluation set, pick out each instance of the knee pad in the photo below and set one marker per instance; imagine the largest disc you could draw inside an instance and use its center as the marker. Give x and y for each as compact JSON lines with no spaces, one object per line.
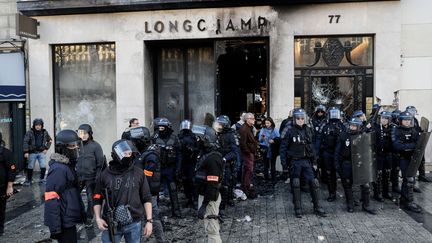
{"x":172,"y":186}
{"x":410,"y":181}
{"x":296,"y":182}
{"x":315,"y":183}
{"x":366,"y":186}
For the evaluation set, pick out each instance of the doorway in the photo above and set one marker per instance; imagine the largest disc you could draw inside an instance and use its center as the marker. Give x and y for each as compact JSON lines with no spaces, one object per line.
{"x":242,"y":77}
{"x":192,"y":80}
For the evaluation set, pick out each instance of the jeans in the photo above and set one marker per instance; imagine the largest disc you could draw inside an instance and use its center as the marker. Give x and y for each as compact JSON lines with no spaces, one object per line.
{"x":131,"y":233}
{"x":36,"y":156}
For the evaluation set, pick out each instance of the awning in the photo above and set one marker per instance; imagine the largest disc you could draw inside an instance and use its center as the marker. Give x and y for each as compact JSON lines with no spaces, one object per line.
{"x":12,"y":79}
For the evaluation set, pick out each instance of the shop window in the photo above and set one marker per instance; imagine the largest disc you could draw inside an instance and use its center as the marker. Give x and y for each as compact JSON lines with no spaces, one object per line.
{"x":84,"y":89}
{"x":334,"y":71}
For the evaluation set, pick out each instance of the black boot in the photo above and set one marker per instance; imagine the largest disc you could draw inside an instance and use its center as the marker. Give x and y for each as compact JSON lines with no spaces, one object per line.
{"x":408,"y":196}
{"x":377,"y":188}
{"x":29,"y":179}
{"x":386,"y":185}
{"x":394,"y":177}
{"x":175,"y":205}
{"x":331,"y":186}
{"x":230,"y":200}
{"x":349,"y":199}
{"x":365,"y":193}
{"x":422,"y":173}
{"x":314,"y":189}
{"x":297,"y":197}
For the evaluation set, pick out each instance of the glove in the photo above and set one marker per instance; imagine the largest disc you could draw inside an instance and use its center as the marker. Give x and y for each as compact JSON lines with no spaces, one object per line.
{"x":202,"y":210}
{"x":56,"y":235}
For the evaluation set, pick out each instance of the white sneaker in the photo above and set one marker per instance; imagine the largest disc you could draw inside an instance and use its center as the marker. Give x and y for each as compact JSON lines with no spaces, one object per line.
{"x":287,"y":181}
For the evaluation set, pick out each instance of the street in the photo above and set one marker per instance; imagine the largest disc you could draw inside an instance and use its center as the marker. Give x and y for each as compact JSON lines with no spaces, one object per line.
{"x":271,"y":220}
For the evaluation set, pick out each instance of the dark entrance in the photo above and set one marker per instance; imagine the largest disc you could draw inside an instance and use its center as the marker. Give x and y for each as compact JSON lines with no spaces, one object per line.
{"x":334,"y":71}
{"x":242,"y":75}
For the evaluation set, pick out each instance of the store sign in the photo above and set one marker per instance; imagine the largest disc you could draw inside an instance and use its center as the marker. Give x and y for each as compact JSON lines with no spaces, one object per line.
{"x":26,"y":27}
{"x":218,"y":26}
{"x":12,"y":78}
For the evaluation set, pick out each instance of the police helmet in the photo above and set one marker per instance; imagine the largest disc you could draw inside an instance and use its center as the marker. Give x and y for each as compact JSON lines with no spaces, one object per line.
{"x":395,"y":114}
{"x":411,"y":109}
{"x":224,"y":121}
{"x":140,"y":133}
{"x":334,"y":113}
{"x":356,"y":122}
{"x":386,"y":114}
{"x":38,"y":121}
{"x":406,"y":115}
{"x":358,"y":113}
{"x":66,"y":139}
{"x":185,"y":125}
{"x":375,"y":106}
{"x":320,"y":108}
{"x":85,"y":128}
{"x":163,"y":122}
{"x":123,"y":149}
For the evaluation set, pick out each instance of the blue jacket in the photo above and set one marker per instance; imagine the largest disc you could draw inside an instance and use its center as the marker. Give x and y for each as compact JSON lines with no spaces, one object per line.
{"x":64,"y":207}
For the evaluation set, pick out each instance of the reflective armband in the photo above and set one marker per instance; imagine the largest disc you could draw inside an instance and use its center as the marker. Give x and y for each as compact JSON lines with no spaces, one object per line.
{"x":213,"y":178}
{"x":51,"y":195}
{"x":148,"y":173}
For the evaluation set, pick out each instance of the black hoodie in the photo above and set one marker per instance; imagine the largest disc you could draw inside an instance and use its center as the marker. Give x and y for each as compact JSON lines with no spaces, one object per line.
{"x":126,"y":186}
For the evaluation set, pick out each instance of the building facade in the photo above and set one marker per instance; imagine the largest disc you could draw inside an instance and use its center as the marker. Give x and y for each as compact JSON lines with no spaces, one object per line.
{"x":106,"y":64}
{"x":12,"y":81}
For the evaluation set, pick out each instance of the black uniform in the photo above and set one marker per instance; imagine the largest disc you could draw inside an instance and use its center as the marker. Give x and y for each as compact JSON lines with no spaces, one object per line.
{"x":189,"y":152}
{"x":297,"y":147}
{"x":384,"y":152}
{"x":170,"y":165}
{"x":330,"y":135}
{"x":8,"y":172}
{"x":229,"y":148}
{"x":344,"y":166}
{"x":404,"y":142}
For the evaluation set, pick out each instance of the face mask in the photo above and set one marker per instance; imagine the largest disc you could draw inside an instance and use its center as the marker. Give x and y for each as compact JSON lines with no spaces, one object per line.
{"x":126,"y":161}
{"x":72,"y":154}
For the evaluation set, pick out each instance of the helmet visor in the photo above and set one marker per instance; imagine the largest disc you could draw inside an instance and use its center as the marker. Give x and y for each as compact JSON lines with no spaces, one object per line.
{"x":334,"y":114}
{"x":137,"y":132}
{"x":123,"y":149}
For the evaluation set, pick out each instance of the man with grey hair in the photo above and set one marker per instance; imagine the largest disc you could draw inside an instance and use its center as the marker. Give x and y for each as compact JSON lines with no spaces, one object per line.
{"x":248,"y":146}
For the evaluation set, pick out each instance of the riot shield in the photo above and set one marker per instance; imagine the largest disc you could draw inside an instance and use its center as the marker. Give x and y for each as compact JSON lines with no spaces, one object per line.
{"x":364,"y":166}
{"x":417,"y":156}
{"x":424,"y":124}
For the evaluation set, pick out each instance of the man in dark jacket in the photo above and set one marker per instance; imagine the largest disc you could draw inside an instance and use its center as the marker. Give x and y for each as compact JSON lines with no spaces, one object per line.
{"x":248,"y":146}
{"x":124,"y":188}
{"x":90,"y":162}
{"x":210,"y":170}
{"x":64,"y":208}
{"x":8,"y":172}
{"x":37,"y":141}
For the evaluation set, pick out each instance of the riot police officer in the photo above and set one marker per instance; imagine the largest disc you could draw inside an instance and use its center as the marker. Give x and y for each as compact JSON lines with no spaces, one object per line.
{"x":394,"y":173}
{"x":330,"y":135}
{"x":297,"y":147}
{"x":229,"y":148}
{"x":170,"y":160}
{"x":149,"y":162}
{"x":318,"y":122}
{"x":404,"y":139}
{"x":189,"y":152}
{"x":384,"y":151}
{"x":366,"y":126}
{"x":140,"y":137}
{"x":344,"y":165}
{"x":210,"y":170}
{"x":422,"y":171}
